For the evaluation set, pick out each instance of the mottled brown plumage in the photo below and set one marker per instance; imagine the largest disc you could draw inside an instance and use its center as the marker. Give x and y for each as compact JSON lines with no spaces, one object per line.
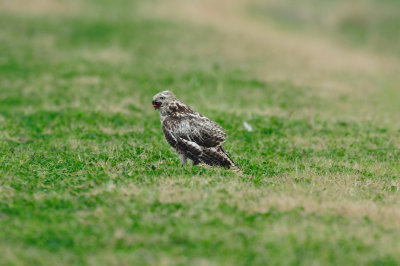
{"x":191,"y":134}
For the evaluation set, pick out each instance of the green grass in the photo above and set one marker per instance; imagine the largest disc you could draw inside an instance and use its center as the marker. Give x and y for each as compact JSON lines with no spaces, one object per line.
{"x":86,"y":176}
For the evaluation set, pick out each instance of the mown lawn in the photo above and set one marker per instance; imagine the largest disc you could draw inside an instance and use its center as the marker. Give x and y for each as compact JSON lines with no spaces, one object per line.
{"x":86,"y":176}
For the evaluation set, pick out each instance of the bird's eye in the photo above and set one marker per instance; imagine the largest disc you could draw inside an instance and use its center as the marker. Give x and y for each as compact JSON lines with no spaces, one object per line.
{"x":162,"y":98}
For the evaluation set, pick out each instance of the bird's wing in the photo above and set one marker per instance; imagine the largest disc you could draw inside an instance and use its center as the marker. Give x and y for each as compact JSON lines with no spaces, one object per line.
{"x":171,"y":128}
{"x":210,"y":156}
{"x":215,"y":156}
{"x":190,"y":149}
{"x":193,"y":127}
{"x":203,"y":131}
{"x":199,"y":139}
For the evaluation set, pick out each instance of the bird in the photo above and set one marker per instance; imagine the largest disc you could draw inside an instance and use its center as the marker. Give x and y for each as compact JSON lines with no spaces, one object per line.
{"x":191,"y":134}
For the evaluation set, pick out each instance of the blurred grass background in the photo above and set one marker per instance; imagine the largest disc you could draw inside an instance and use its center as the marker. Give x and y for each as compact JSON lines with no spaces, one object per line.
{"x":363,"y":23}
{"x":86,"y":176}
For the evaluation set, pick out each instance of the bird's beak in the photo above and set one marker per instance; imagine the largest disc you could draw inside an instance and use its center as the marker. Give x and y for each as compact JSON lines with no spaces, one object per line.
{"x":156,"y":105}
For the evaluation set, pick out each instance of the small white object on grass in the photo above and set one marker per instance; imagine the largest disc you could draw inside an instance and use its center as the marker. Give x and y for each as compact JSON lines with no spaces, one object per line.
{"x":247,"y":126}
{"x":110,"y":186}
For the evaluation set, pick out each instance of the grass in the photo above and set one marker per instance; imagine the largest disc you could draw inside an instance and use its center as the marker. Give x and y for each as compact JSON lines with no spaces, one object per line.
{"x":86,"y":176}
{"x":362,"y":24}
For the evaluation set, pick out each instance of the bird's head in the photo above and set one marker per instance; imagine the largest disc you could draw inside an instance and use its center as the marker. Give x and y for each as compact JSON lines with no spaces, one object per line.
{"x":161,"y":99}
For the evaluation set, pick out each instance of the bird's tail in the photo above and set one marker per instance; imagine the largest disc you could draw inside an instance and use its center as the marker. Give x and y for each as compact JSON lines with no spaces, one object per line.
{"x":234,"y":167}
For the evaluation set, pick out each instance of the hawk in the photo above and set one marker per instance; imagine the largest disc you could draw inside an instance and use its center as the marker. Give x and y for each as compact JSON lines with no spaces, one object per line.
{"x":191,"y":134}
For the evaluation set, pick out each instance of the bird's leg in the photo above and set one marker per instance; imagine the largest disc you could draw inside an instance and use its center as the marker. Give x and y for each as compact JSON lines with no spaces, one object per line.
{"x":195,"y":162}
{"x":200,"y":163}
{"x":182,"y":157}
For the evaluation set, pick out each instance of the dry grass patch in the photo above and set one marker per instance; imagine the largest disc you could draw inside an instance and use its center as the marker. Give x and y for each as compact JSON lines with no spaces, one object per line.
{"x":36,"y":6}
{"x":324,"y":196}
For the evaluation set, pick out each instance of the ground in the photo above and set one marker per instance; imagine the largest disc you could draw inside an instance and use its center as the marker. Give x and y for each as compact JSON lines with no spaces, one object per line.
{"x":86,"y":176}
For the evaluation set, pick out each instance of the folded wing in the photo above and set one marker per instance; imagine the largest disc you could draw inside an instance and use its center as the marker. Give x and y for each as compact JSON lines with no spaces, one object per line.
{"x":205,"y":132}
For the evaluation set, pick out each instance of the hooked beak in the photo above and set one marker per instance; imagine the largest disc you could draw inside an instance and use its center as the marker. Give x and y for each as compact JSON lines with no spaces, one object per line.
{"x":156,"y":105}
